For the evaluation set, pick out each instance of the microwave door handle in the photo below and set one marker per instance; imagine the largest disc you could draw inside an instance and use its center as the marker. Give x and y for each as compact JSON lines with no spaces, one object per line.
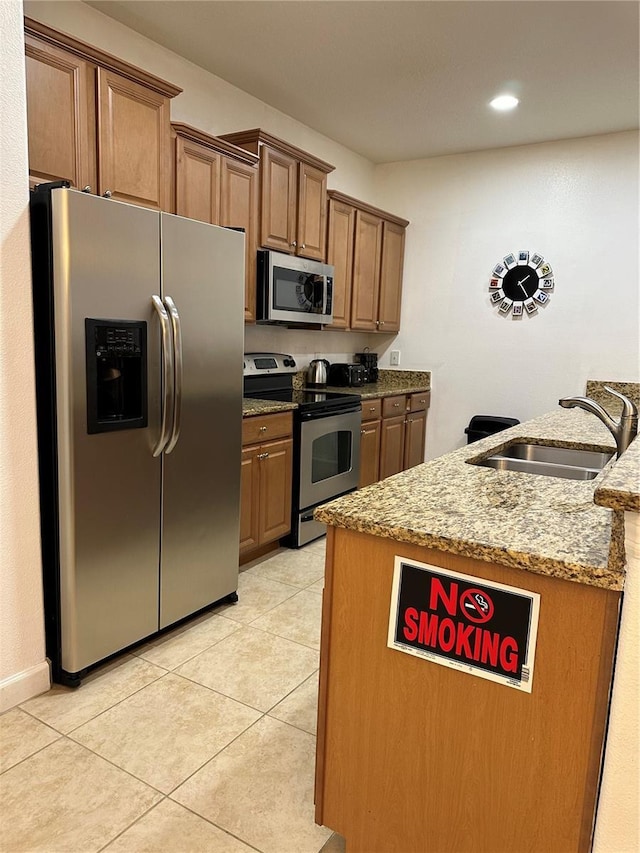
{"x":176,"y":328}
{"x":328,"y":288}
{"x":167,"y":375}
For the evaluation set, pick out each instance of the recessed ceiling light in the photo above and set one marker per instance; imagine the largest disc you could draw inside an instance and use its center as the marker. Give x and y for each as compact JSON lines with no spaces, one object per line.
{"x":504,"y":102}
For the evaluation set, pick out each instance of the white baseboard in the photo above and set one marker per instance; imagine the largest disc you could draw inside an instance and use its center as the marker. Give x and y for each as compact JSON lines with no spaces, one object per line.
{"x":24,"y":685}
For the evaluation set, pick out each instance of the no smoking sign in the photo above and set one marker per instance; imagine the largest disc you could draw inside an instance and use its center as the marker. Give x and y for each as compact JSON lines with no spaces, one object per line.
{"x":484,"y":628}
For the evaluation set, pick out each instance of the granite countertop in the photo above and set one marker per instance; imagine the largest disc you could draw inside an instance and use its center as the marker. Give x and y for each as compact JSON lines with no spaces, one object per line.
{"x":545,"y":525}
{"x":618,"y":487}
{"x":264,"y":407}
{"x":390,"y":382}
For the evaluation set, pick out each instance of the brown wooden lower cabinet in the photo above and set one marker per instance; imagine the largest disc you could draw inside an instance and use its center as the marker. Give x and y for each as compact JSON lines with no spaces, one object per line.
{"x":392,"y":435}
{"x":392,"y":446}
{"x":414,"y":439}
{"x":265,"y":504}
{"x":369,"y":453}
{"x":415,"y":757}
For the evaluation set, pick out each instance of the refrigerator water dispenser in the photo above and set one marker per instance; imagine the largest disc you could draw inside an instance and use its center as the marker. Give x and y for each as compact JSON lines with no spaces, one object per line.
{"x":116,"y":375}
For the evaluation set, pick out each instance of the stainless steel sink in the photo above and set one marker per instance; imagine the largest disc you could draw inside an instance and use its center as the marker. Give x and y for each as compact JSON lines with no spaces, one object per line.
{"x":567,"y":462}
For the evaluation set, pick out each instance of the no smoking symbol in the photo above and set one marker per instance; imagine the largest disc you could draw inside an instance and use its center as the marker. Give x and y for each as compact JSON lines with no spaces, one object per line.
{"x":476,"y":605}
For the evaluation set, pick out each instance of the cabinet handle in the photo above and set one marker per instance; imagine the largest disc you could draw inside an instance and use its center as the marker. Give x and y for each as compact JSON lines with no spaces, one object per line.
{"x":107,"y":194}
{"x":294,"y":244}
{"x":372,"y":408}
{"x":396,"y":405}
{"x":362,"y":432}
{"x":86,"y":189}
{"x":303,"y":246}
{"x":381,"y":323}
{"x":377,"y":322}
{"x":263,"y":429}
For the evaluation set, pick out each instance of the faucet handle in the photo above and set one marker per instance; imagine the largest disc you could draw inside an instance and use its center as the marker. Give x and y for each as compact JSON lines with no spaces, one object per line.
{"x":629,"y":408}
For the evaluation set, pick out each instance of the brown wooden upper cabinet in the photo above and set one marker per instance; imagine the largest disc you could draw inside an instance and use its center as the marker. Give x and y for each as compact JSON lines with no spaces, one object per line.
{"x":96,"y":121}
{"x":217,"y":182}
{"x":366,"y":246}
{"x":293,"y":194}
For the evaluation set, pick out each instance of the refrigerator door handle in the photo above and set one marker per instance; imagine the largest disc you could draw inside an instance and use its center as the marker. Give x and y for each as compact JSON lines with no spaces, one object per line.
{"x":167,"y":376}
{"x":177,"y":371}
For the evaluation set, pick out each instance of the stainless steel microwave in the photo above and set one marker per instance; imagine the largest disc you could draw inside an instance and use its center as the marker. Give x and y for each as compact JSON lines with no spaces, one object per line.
{"x":293,"y":290}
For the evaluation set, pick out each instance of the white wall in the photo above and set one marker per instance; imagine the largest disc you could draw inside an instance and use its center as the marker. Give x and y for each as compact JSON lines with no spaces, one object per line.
{"x":576,"y":203}
{"x":23,"y":670}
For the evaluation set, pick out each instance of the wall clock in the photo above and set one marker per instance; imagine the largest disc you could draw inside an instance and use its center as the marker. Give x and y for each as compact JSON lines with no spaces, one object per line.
{"x":520,"y":282}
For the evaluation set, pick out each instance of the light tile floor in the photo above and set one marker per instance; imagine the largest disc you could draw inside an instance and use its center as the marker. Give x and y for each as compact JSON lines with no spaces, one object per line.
{"x":200,"y":740}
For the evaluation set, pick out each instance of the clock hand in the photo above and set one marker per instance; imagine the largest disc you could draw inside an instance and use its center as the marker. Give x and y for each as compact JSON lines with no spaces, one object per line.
{"x":523,"y":289}
{"x":525,"y":278}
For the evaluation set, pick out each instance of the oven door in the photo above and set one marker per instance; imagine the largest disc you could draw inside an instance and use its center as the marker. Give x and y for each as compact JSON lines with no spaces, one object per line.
{"x":329,"y":457}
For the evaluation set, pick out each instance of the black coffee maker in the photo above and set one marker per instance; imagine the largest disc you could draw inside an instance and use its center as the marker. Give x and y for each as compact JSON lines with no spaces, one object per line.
{"x":369,"y":360}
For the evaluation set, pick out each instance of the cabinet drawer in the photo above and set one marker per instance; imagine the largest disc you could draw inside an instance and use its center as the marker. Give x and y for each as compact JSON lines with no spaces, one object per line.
{"x":265,"y":427}
{"x":392,"y":406}
{"x":419,"y":401}
{"x":371,"y":410}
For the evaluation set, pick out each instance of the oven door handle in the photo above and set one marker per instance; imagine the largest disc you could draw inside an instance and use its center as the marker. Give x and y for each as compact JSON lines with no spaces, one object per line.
{"x":327,"y":413}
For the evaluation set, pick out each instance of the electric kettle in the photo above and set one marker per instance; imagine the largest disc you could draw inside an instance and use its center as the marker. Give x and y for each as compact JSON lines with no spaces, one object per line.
{"x":317,"y":373}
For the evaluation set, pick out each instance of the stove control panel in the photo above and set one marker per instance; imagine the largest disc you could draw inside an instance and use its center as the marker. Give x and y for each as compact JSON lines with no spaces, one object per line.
{"x":263,"y":363}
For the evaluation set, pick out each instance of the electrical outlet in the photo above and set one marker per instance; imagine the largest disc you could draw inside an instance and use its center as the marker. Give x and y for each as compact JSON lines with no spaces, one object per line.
{"x":394,"y":361}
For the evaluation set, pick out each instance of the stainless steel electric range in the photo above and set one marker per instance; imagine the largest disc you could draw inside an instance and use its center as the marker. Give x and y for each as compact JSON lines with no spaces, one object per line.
{"x":326,"y":436}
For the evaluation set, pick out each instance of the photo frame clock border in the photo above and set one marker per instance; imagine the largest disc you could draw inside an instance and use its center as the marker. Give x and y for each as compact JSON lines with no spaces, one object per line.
{"x":544,"y":284}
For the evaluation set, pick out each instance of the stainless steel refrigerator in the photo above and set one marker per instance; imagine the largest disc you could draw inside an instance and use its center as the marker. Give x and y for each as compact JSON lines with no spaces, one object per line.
{"x":138,"y":319}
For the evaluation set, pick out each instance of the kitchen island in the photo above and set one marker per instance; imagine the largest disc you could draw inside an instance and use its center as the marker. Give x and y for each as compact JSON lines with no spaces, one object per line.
{"x":419,"y":753}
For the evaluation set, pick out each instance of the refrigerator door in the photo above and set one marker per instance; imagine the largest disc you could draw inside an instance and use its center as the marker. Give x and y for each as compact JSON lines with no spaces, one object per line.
{"x":106,"y":259}
{"x":203,"y":275}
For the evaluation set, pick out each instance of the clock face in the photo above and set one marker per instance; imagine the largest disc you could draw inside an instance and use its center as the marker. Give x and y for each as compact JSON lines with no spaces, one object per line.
{"x":520,"y":282}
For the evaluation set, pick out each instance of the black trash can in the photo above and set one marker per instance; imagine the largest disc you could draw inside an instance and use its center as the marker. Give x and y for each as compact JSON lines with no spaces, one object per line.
{"x":480,"y":426}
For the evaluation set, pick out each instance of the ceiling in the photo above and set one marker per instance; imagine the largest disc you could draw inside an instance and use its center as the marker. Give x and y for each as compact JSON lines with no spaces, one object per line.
{"x":402,"y":80}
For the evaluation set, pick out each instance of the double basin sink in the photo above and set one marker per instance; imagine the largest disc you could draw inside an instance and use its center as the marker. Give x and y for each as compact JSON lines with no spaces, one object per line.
{"x":528,"y":458}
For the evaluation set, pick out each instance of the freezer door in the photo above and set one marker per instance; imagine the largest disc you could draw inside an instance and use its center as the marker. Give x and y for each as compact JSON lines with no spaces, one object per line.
{"x":106,"y":262}
{"x":203,"y":275}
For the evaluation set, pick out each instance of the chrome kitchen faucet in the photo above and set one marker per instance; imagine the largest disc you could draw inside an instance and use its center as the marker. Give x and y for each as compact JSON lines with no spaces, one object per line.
{"x":624,"y":430}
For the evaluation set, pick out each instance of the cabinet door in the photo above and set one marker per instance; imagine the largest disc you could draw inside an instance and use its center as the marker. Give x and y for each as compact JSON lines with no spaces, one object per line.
{"x":366,"y":271}
{"x":133,"y":142}
{"x":61,"y":115}
{"x":391,"y":277}
{"x":312,"y":213}
{"x":239,"y":209}
{"x":392,"y":446}
{"x":414,"y":438}
{"x":279,"y":179}
{"x":340,"y":232}
{"x":369,"y":453}
{"x":249,"y":497}
{"x":197,"y":181}
{"x":275,"y":489}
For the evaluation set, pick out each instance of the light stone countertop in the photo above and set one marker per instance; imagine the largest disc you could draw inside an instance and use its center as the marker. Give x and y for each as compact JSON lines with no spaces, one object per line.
{"x":264,"y":407}
{"x":391,"y":382}
{"x":619,"y":486}
{"x":545,"y":525}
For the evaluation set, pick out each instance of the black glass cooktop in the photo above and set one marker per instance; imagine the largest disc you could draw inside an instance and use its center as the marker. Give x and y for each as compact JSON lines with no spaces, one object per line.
{"x":307,"y":399}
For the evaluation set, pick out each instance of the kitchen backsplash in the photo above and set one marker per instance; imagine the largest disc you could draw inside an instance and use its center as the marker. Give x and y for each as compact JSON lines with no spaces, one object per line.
{"x":595,"y":390}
